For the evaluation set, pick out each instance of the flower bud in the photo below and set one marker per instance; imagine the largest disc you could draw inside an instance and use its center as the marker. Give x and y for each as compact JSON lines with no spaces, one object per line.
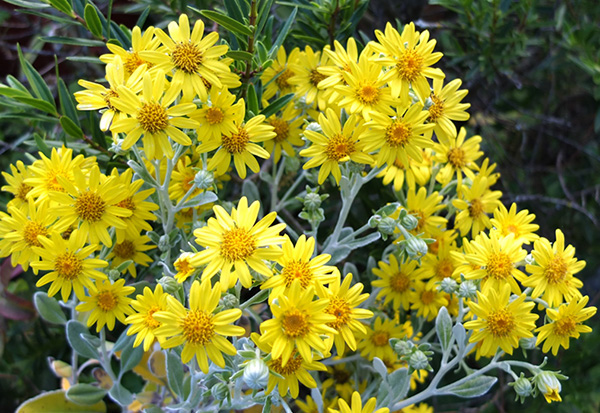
{"x":448,"y":285}
{"x":219,"y":391}
{"x":169,"y":284}
{"x":117,"y":148}
{"x":416,"y":247}
{"x":204,"y":179}
{"x":114,"y":275}
{"x":418,"y":360}
{"x":256,"y":374}
{"x":528,"y":343}
{"x":314,"y":127}
{"x":164,"y":243}
{"x":229,"y":301}
{"x":522,"y":387}
{"x":548,"y":384}
{"x":467,"y":289}
{"x":387,"y":226}
{"x":403,"y":347}
{"x":410,"y":222}
{"x":312,"y":201}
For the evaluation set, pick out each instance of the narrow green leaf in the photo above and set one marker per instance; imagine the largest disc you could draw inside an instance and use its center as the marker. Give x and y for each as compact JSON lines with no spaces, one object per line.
{"x":28,"y":4}
{"x":71,"y":128}
{"x":443,"y":328}
{"x":11,"y":92}
{"x":264,"y":11}
{"x":67,"y":106}
{"x":59,"y":19}
{"x":75,"y":41}
{"x":175,"y":373}
{"x":62,"y":5}
{"x":49,"y":308}
{"x":37,"y":103}
{"x":227,"y":22}
{"x":252,"y":99}
{"x":239,"y":55}
{"x":142,"y":19}
{"x":117,"y":32}
{"x":234,"y":10}
{"x":277,"y":105}
{"x":41,"y":144}
{"x":15,"y":84}
{"x":37,"y":83}
{"x":86,"y":394}
{"x":283,"y":33}
{"x":92,"y":20}
{"x":85,"y":59}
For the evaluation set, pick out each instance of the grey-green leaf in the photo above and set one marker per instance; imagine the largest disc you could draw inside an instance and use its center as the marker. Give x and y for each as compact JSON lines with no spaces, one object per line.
{"x":49,"y":308}
{"x":473,"y":388}
{"x":443,"y":327}
{"x":380,"y":367}
{"x":121,"y":395}
{"x":87,"y":394}
{"x":81,"y":340}
{"x":130,"y":357}
{"x":283,"y":33}
{"x":175,"y":373}
{"x":399,"y":382}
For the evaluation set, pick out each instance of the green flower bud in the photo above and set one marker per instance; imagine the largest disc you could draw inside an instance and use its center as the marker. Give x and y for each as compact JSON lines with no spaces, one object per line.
{"x":114,"y":275}
{"x":117,"y":148}
{"x":403,"y":347}
{"x":528,"y":343}
{"x":387,"y":226}
{"x":164,"y":243}
{"x":418,"y":360}
{"x":256,"y":374}
{"x":416,"y":248}
{"x":548,"y":384}
{"x":314,"y":127}
{"x":523,"y":387}
{"x":312,"y":201}
{"x":467,"y":289}
{"x":204,"y":179}
{"x":410,"y":222}
{"x":219,"y":391}
{"x":169,"y":284}
{"x":229,"y":301}
{"x":448,"y":285}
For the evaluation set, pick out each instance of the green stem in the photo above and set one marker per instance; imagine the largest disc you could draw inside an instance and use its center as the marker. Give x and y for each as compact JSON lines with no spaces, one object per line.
{"x":105,"y":358}
{"x":290,"y":191}
{"x":255,"y":299}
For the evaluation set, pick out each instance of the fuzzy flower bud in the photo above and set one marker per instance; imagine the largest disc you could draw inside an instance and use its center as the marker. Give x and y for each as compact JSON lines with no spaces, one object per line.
{"x":114,"y":275}
{"x":117,"y":148}
{"x":387,"y":226}
{"x":410,"y":222}
{"x":169,"y":284}
{"x":314,"y":127}
{"x":403,"y":347}
{"x":256,"y":374}
{"x":418,"y":360}
{"x":204,"y":179}
{"x":164,"y":243}
{"x":448,"y":285}
{"x":416,"y":248}
{"x":522,"y":387}
{"x":467,"y":289}
{"x":528,"y":343}
{"x":548,"y":384}
{"x":229,"y":301}
{"x":219,"y":391}
{"x":312,"y":201}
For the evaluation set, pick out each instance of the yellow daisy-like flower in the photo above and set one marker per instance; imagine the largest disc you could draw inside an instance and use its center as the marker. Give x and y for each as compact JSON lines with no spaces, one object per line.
{"x":409,"y":57}
{"x":424,"y":208}
{"x":397,"y":134}
{"x":99,"y":97}
{"x":241,"y":145}
{"x":201,"y":332}
{"x":297,"y":263}
{"x":498,"y":258}
{"x":500,"y":322}
{"x":436,"y":267}
{"x":91,"y":205}
{"x":516,"y":223}
{"x":184,"y":267}
{"x":108,"y":302}
{"x":446,"y":108}
{"x":142,"y":322}
{"x":15,"y":184}
{"x":182,"y":179}
{"x":131,"y":58}
{"x":335,"y":145}
{"x":474,"y":205}
{"x":152,"y":117}
{"x":486,"y":170}
{"x":357,"y":406}
{"x":192,"y":57}
{"x":219,"y":116}
{"x":414,"y":173}
{"x":566,"y":323}
{"x":396,"y":282}
{"x":276,"y":77}
{"x":343,"y":301}
{"x":457,"y":157}
{"x":306,"y":76}
{"x":342,"y":58}
{"x":427,"y":300}
{"x":310,"y":406}
{"x":298,"y":323}
{"x":376,"y":343}
{"x":238,"y":241}
{"x":69,"y":264}
{"x":131,"y":249}
{"x":552,"y":274}
{"x":288,"y":128}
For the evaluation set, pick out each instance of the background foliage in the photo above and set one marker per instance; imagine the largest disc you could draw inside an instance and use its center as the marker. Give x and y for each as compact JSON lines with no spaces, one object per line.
{"x":533,"y":73}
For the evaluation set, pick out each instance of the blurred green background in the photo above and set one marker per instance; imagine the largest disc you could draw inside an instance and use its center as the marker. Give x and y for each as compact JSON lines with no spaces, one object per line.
{"x":532,"y":69}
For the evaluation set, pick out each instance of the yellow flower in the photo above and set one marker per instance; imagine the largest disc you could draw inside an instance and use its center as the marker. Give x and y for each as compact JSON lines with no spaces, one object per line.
{"x":446,"y":108}
{"x":142,"y":321}
{"x":310,"y":406}
{"x":436,"y":267}
{"x":306,"y":76}
{"x":408,"y":56}
{"x":424,"y":208}
{"x":182,"y":179}
{"x":298,"y":323}
{"x":334,"y":145}
{"x":397,"y":134}
{"x":357,"y":406}
{"x":474,"y":204}
{"x":427,"y":300}
{"x":15,"y":184}
{"x":297,"y":263}
{"x":343,"y":303}
{"x":201,"y":332}
{"x":396,"y":282}
{"x":240,"y":144}
{"x":193,"y":59}
{"x":90,"y":205}
{"x":99,"y":97}
{"x":519,"y":224}
{"x":107,"y":301}
{"x":238,"y":241}
{"x":288,"y":128}
{"x":276,"y":77}
{"x":414,"y":173}
{"x":458,"y":157}
{"x":566,"y":323}
{"x":219,"y":116}
{"x":500,"y":322}
{"x":548,"y":384}
{"x":131,"y":249}
{"x":340,"y":380}
{"x":342,"y":60}
{"x":376,"y":343}
{"x":184,"y":267}
{"x":131,"y":58}
{"x":552,"y":274}
{"x":152,"y":117}
{"x":68,"y":263}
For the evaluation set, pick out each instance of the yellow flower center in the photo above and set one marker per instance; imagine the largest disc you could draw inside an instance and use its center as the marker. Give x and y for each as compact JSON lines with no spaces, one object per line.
{"x":52,"y":183}
{"x":566,"y":326}
{"x":501,"y":323}
{"x":316,"y":77}
{"x":380,"y":338}
{"x":291,"y":367}
{"x":125,"y":250}
{"x":476,"y":208}
{"x":133,"y":61}
{"x":499,"y":266}
{"x":444,"y":268}
{"x":238,"y":244}
{"x":295,"y":323}
{"x":436,"y":110}
{"x":236,"y":143}
{"x":107,"y":300}
{"x":31,"y":231}
{"x":187,"y":57}
{"x":282,"y":129}
{"x":187,"y":180}
{"x":556,"y":270}
{"x":90,"y":207}
{"x":427,"y":297}
{"x":153,"y":117}
{"x":456,"y":158}
{"x":214,"y":115}
{"x":108,"y":95}
{"x":282,"y":79}
{"x":149,"y":321}
{"x":399,"y":282}
{"x":68,"y":266}
{"x":198,"y":327}
{"x":409,"y":65}
{"x":339,"y":308}
{"x":183,"y":266}
{"x":512,"y":229}
{"x":367,"y":95}
{"x":22,"y":191}
{"x":127,"y":203}
{"x":297,"y":270}
{"x":398,"y":134}
{"x":339,"y":147}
